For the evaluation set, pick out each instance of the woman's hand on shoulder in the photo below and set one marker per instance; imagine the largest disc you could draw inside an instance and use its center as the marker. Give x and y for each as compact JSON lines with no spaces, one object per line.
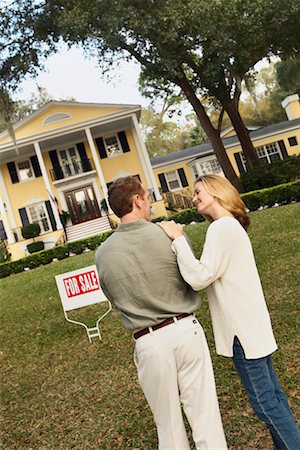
{"x":171,"y":228}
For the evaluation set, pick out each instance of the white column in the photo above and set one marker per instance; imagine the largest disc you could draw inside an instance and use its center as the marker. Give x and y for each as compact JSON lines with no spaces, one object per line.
{"x":47,"y":184}
{"x":199,"y":169}
{"x":97,"y":165}
{"x":144,"y":157}
{"x":10,"y":236}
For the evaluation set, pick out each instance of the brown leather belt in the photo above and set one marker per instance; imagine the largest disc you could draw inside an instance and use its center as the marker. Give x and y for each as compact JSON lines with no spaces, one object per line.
{"x":165,"y":322}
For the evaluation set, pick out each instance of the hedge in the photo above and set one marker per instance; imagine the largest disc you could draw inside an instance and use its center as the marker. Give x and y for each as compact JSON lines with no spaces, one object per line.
{"x":282,"y":194}
{"x":35,"y":247}
{"x":47,"y":256}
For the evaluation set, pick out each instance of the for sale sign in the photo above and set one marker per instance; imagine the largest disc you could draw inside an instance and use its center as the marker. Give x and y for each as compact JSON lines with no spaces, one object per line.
{"x":79,"y":288}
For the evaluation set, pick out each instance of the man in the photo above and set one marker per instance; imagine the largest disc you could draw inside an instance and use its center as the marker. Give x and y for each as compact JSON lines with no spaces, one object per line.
{"x":139,"y":274}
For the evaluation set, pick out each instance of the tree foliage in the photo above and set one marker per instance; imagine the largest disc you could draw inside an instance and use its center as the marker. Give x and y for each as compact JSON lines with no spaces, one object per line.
{"x":202,"y":47}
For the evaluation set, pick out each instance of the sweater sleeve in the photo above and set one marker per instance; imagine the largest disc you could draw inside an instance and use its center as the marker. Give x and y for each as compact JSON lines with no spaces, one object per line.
{"x":212,"y":264}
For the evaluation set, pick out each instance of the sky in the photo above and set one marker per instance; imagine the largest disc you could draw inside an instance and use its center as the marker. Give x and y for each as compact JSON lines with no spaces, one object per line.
{"x":69,"y":74}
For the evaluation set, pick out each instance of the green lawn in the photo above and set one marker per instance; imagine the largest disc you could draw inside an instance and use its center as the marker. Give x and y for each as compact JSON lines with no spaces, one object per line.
{"x":61,"y":392}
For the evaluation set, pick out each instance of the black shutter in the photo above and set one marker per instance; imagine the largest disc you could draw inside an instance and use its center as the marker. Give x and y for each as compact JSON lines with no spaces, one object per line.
{"x":283,"y":149}
{"x":101,"y":147}
{"x":24,"y":217}
{"x":163,"y":182}
{"x":13,"y":172}
{"x":238,"y":160}
{"x":35,"y":165}
{"x":58,"y":173}
{"x":182,"y":177}
{"x":124,"y":142}
{"x":83,"y":156}
{"x":51,"y":215}
{"x":2,"y":232}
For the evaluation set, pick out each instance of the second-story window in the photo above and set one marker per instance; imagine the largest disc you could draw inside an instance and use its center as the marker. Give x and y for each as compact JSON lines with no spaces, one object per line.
{"x":70,"y":161}
{"x":25,"y":170}
{"x":113,"y":147}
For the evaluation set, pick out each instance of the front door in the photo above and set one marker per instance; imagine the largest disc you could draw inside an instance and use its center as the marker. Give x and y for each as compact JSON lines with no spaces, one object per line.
{"x":82,"y":205}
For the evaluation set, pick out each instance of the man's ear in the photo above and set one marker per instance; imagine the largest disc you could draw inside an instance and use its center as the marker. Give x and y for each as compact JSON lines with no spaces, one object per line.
{"x":136,"y":201}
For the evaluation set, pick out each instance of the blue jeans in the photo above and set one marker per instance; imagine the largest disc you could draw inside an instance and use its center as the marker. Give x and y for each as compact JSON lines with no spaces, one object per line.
{"x":267,"y":397}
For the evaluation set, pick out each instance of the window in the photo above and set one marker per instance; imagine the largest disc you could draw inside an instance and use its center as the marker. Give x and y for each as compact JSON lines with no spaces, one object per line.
{"x":38,"y":214}
{"x":266,"y":153}
{"x":269,"y":152}
{"x":206,"y":167}
{"x":113,"y":146}
{"x":293,"y":141}
{"x":70,"y":161}
{"x":173,"y":180}
{"x":57,"y":117}
{"x":25,"y":170}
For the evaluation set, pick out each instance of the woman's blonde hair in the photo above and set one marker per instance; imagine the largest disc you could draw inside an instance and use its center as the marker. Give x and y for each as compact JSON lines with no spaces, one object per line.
{"x":228,"y":196}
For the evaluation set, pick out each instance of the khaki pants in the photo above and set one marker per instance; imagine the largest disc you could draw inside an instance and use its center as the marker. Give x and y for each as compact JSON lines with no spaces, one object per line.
{"x":174,"y":368}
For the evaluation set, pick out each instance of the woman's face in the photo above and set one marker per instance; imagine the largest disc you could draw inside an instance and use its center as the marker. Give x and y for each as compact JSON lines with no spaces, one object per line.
{"x":203,"y":201}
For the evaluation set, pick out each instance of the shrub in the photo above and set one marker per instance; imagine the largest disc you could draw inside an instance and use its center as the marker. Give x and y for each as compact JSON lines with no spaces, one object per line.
{"x":36,"y":247}
{"x":159,"y":219}
{"x":268,"y":175}
{"x":61,"y":251}
{"x":187,"y":216}
{"x":4,"y":254}
{"x":282,"y":194}
{"x":31,"y":230}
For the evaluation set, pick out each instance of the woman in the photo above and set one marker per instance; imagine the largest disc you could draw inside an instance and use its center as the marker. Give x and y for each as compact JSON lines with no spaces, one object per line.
{"x":240,"y":318}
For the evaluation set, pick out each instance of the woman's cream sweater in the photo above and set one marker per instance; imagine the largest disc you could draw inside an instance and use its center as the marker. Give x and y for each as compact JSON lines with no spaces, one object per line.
{"x":228,"y":271}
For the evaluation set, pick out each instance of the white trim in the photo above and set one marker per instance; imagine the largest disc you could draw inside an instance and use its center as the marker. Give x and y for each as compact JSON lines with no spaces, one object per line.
{"x":10,"y":237}
{"x":47,"y":184}
{"x":289,"y":99}
{"x":7,"y":201}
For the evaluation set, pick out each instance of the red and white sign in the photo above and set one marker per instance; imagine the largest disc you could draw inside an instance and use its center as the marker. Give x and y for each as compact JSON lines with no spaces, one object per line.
{"x":79,"y":288}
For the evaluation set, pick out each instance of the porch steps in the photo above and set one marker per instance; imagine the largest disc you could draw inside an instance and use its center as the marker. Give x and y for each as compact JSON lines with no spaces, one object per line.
{"x":86,"y":229}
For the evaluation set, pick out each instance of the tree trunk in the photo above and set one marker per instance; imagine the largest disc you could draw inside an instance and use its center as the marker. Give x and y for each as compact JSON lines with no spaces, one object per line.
{"x":242,"y":133}
{"x":211,"y":133}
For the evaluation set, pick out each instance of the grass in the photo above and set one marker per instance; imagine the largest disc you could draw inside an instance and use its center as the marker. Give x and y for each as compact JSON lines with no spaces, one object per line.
{"x":61,"y":392}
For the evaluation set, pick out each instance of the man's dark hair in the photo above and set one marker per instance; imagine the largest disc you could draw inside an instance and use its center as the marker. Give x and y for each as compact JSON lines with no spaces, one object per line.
{"x":121,"y":192}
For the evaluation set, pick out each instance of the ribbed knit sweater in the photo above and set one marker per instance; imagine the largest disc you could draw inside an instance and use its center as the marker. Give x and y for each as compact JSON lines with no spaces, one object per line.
{"x":228,"y":271}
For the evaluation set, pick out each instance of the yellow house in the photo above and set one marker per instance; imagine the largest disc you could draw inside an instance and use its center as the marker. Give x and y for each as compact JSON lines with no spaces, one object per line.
{"x":176,"y":172}
{"x":65,"y":156}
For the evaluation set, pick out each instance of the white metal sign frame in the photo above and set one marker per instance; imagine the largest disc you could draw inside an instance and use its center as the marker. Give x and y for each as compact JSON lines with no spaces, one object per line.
{"x":78,"y":289}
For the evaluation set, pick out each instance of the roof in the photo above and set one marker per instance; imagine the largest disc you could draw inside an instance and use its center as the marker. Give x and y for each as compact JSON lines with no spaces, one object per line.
{"x":206,"y":149}
{"x":62,"y":103}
